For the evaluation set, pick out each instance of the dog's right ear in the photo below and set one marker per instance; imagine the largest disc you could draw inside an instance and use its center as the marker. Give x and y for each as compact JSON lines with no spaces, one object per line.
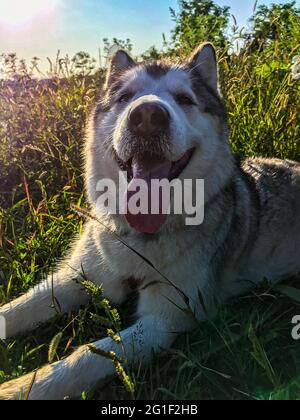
{"x":204,"y":62}
{"x":119,"y":62}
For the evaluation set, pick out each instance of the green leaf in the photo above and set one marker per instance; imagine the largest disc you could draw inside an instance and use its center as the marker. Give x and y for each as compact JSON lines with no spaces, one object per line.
{"x":289,"y":291}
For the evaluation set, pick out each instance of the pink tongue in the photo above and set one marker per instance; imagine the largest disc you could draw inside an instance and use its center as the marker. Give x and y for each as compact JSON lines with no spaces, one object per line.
{"x":147,"y":169}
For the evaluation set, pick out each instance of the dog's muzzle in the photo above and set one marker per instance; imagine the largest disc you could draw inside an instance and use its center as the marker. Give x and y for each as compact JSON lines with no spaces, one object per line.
{"x":148,"y":119}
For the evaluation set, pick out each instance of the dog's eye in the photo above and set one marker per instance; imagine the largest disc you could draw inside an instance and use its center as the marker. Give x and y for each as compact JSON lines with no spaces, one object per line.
{"x":125,"y":97}
{"x":183,"y":99}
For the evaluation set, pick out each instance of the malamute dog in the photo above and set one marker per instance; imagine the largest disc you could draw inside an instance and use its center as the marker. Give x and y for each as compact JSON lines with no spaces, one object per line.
{"x":161,"y":121}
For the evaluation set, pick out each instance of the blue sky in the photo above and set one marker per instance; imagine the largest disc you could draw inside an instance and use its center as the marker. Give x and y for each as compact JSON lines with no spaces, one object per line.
{"x":74,"y":25}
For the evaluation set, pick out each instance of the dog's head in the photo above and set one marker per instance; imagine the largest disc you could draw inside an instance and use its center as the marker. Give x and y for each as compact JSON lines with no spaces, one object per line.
{"x":159,"y":120}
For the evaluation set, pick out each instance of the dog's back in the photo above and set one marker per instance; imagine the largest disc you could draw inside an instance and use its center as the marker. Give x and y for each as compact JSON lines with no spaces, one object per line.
{"x":276,"y":251}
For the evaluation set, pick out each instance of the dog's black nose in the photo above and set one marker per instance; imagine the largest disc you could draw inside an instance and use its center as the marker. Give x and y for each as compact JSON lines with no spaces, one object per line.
{"x":148,"y":119}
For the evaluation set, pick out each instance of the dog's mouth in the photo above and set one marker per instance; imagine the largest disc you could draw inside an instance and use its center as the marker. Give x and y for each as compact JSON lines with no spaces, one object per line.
{"x":148,"y":160}
{"x":154,"y":206}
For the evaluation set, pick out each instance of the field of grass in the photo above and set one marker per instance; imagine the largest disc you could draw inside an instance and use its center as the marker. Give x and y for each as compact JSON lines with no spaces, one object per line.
{"x":247,"y":351}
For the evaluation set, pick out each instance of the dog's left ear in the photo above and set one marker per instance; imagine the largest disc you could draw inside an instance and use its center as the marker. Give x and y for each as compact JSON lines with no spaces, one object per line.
{"x":204,"y":61}
{"x":119,"y":62}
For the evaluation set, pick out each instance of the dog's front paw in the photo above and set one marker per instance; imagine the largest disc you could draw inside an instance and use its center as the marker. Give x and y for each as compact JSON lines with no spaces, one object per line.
{"x":67,"y":378}
{"x":33,"y":386}
{"x":17,"y":388}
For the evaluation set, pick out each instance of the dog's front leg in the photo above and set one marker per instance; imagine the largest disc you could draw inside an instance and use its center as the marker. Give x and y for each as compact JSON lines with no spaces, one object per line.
{"x":83,"y":369}
{"x":61,"y":291}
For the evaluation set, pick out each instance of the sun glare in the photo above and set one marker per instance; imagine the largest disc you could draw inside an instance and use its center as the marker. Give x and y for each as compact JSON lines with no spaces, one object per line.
{"x":19,"y":12}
